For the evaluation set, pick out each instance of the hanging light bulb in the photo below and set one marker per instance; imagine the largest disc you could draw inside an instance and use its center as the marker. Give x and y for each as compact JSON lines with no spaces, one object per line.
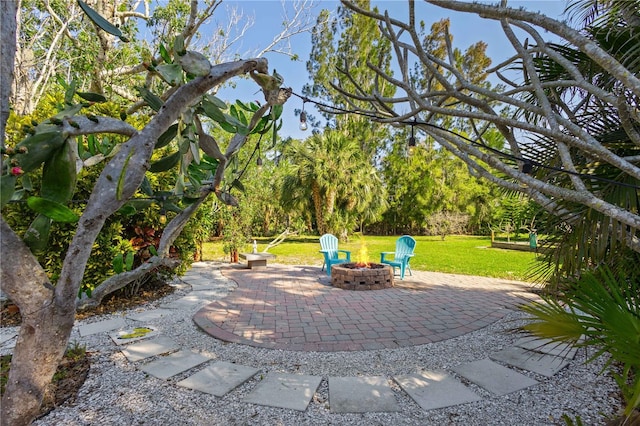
{"x":163,"y":216}
{"x":303,"y":118}
{"x":259,"y":160}
{"x":412,"y":140}
{"x":303,"y":121}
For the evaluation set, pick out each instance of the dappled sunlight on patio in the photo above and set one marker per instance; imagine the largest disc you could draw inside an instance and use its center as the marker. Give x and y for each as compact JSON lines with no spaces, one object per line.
{"x":303,"y":289}
{"x":289,"y":307}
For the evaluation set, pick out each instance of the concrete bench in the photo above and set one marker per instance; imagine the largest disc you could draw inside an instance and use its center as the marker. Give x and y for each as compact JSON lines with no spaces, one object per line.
{"x":256,"y":260}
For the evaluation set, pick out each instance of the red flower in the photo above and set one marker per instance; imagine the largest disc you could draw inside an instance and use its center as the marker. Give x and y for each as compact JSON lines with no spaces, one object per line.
{"x":16,"y":171}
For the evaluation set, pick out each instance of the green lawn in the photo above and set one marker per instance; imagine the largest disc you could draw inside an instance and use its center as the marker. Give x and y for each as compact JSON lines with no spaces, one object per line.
{"x":467,"y":255}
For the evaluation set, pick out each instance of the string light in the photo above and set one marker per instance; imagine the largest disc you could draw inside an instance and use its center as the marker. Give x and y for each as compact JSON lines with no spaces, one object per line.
{"x":303,"y":118}
{"x":527,"y":166}
{"x":259,"y":160}
{"x":412,"y":139}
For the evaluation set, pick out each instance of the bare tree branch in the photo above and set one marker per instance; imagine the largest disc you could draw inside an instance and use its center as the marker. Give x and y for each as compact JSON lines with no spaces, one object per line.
{"x":481,"y":107}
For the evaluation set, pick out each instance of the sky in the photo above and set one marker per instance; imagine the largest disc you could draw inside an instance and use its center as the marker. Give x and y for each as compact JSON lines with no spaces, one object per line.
{"x":269,"y":15}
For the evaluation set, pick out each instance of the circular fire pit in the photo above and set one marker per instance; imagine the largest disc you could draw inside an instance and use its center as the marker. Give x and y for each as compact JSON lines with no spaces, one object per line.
{"x":353,"y":276}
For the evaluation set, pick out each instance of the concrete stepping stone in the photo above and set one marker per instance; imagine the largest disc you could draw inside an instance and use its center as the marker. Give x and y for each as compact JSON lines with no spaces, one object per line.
{"x":219,"y":378}
{"x":148,"y":348}
{"x":198,"y":282}
{"x":208,"y":285}
{"x":494,"y":377}
{"x":101,"y":326}
{"x":131,"y":335}
{"x":201,"y":265}
{"x":361,"y":395}
{"x":436,"y":389}
{"x":173,"y":364}
{"x":292,"y":391}
{"x":207,"y":295}
{"x":546,"y":365}
{"x":150,"y":315}
{"x":187,"y":302}
{"x":547,"y":346}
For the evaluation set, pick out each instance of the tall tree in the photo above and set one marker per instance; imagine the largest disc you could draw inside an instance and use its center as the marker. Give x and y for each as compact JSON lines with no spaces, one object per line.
{"x":55,"y":37}
{"x":331,"y":177}
{"x":343,"y":43}
{"x":427,"y":180}
{"x":430,"y":180}
{"x":510,"y":166}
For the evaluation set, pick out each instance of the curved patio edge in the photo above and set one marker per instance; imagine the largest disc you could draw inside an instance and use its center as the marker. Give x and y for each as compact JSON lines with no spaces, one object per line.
{"x":292,"y":308}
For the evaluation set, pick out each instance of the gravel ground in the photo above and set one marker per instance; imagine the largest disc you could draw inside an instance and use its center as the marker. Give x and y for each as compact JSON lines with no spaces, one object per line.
{"x":117,"y":393}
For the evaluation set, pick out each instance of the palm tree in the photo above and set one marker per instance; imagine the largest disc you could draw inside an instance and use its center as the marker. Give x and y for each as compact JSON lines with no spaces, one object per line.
{"x":331,"y":177}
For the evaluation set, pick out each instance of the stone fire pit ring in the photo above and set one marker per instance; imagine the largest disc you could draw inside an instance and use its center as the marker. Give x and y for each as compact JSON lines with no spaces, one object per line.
{"x":351,"y":276}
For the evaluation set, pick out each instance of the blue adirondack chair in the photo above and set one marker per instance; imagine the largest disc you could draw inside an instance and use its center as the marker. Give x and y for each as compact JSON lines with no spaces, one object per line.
{"x":402,"y":255}
{"x":329,"y":246}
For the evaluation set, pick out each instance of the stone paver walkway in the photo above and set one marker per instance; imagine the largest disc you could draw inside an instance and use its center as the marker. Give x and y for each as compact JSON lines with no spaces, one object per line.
{"x":293,"y":304}
{"x":295,"y":308}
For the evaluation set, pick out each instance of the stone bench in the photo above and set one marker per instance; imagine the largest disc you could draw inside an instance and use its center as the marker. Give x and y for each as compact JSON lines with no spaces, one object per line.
{"x":256,"y":260}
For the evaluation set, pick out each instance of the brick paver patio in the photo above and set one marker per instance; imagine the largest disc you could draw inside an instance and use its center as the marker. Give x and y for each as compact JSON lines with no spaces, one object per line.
{"x":295,"y":308}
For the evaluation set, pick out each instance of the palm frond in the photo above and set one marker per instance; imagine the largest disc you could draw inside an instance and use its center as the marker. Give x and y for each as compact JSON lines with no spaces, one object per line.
{"x":600,"y":310}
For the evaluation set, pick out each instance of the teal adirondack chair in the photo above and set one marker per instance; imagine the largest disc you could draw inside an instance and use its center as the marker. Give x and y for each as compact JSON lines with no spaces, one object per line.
{"x":402,"y":255}
{"x":329,"y":246}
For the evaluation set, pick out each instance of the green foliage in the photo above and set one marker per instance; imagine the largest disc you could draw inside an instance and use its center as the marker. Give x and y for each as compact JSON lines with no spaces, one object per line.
{"x":600,"y":310}
{"x":235,"y":225}
{"x":37,"y":148}
{"x":7,"y":188}
{"x":76,"y":351}
{"x":514,"y":213}
{"x":189,"y":244}
{"x":101,"y":22}
{"x":583,"y":237}
{"x":129,"y":237}
{"x":569,"y":422}
{"x":117,"y":237}
{"x":331,"y":177}
{"x":54,"y":211}
{"x":429,"y":184}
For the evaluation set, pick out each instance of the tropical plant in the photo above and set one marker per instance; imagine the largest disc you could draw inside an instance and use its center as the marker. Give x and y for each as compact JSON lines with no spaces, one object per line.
{"x":331,"y":177}
{"x":602,"y":311}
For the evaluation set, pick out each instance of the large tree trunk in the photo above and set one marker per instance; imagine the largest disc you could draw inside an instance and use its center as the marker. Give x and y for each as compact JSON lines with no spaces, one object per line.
{"x":41,"y":345}
{"x":44,"y":333}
